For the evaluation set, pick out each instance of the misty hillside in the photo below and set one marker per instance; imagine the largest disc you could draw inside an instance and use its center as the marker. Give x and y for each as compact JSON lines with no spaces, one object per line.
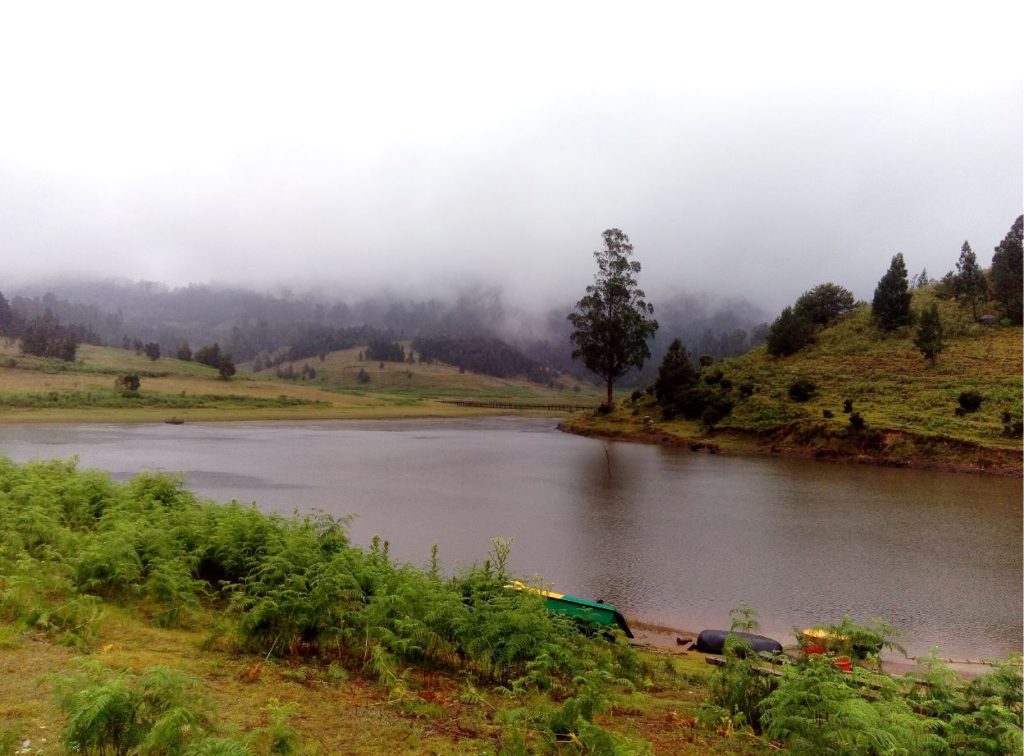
{"x":478,"y":330}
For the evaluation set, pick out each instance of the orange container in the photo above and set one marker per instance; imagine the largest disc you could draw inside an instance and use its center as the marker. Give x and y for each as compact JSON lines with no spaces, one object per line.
{"x":843,"y":663}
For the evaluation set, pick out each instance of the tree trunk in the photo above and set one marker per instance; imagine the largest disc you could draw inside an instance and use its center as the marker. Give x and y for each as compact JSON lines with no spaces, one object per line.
{"x":610,"y":391}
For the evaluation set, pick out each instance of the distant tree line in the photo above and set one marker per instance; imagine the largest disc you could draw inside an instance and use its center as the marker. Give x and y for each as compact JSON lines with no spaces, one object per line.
{"x":384,"y":350}
{"x":487,"y":355}
{"x":44,"y":335}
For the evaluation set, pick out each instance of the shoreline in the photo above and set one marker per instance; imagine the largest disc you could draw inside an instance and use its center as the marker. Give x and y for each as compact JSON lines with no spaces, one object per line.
{"x":737,"y":442}
{"x":663,"y":639}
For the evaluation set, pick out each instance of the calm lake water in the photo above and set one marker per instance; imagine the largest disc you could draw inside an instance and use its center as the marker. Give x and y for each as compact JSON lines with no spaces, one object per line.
{"x":668,"y":535}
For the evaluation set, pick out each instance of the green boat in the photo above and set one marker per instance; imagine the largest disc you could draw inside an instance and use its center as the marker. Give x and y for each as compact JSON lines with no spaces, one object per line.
{"x":595,"y":613}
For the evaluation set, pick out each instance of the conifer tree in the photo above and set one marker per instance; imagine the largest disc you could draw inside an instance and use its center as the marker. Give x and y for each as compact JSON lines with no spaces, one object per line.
{"x":890,"y":307}
{"x":1008,"y":273}
{"x":676,"y":372}
{"x":929,"y":333}
{"x":789,"y":333}
{"x":970,"y":284}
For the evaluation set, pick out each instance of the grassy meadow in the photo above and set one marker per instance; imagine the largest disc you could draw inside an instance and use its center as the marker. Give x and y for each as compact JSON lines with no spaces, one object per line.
{"x":49,"y":390}
{"x":908,"y":403}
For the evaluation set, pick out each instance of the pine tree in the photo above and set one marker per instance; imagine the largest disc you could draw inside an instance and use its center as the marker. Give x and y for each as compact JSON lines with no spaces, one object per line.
{"x":676,"y":372}
{"x":890,"y":306}
{"x":1008,"y":273}
{"x":969,"y":285}
{"x":789,"y":333}
{"x":929,"y":333}
{"x":611,"y":323}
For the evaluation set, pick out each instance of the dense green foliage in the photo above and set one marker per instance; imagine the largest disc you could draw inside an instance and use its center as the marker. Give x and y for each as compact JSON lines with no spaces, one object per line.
{"x":385,"y":350}
{"x":813,"y":707}
{"x":161,"y":711}
{"x":890,"y":306}
{"x":611,"y":323}
{"x":929,"y":332}
{"x":1008,"y":273}
{"x":46,"y":337}
{"x":212,"y":355}
{"x":676,"y":373}
{"x":71,"y":541}
{"x":969,"y":285}
{"x":789,"y":333}
{"x":824,"y":304}
{"x":481,"y":354}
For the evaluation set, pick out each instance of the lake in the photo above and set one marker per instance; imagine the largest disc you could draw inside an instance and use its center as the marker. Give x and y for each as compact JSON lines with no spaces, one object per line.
{"x":668,"y":535}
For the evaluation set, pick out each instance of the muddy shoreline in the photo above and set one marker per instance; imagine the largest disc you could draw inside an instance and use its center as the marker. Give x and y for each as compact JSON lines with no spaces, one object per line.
{"x":733,"y":442}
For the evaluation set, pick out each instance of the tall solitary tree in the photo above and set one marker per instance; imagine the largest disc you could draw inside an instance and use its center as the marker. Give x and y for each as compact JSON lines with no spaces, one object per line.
{"x":890,"y":307}
{"x":1007,"y":273}
{"x":969,"y":285}
{"x":612,"y":322}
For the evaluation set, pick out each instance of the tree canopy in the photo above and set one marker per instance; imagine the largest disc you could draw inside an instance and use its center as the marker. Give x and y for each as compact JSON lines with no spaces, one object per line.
{"x":929,"y":333}
{"x":675,"y":372}
{"x":790,"y":333}
{"x":612,"y":323}
{"x":824,"y":304}
{"x":969,"y":284}
{"x":890,"y":306}
{"x":1008,"y":273}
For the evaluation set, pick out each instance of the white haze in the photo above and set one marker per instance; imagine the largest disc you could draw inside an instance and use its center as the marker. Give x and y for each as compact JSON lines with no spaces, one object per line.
{"x":753,"y":149}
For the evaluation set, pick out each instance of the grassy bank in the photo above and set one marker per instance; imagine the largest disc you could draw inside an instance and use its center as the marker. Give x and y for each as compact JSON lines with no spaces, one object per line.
{"x":135,"y":618}
{"x":908,"y":405}
{"x":34,"y":389}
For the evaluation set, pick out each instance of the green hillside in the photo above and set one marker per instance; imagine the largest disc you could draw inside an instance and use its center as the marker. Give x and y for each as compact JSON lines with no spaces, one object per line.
{"x":909,"y":404}
{"x":51,"y":390}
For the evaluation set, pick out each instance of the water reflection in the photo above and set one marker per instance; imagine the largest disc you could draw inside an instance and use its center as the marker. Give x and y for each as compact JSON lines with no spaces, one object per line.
{"x":671,"y":536}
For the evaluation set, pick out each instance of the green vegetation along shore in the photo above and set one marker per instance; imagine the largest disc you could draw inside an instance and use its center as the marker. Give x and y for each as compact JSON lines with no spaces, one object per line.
{"x":868,"y":396}
{"x":341,"y":385}
{"x":135,"y":618}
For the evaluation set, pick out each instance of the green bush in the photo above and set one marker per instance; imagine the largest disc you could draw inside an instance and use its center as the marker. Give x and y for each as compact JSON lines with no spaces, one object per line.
{"x":70,"y":541}
{"x":802,"y":389}
{"x":970,"y":401}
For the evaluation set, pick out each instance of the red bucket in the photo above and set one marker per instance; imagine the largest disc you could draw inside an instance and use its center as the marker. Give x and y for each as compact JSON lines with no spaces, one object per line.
{"x":843,"y":663}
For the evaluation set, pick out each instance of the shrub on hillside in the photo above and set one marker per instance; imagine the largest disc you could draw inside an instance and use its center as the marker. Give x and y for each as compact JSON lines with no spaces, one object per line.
{"x":129,"y":383}
{"x":802,"y":389}
{"x":970,"y":401}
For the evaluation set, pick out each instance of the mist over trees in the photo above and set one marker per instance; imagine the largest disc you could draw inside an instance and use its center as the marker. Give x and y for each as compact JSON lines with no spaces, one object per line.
{"x":271,"y":329}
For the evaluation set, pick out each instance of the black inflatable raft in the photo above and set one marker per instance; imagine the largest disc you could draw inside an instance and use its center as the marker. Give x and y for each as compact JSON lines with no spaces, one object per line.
{"x":713,"y":641}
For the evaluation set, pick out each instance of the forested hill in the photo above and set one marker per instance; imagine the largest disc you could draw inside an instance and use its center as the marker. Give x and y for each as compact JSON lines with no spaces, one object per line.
{"x":854,"y":391}
{"x":477,"y":330}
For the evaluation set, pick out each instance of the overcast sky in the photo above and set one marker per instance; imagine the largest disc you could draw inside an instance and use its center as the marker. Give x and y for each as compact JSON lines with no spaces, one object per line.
{"x":759,"y":148}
